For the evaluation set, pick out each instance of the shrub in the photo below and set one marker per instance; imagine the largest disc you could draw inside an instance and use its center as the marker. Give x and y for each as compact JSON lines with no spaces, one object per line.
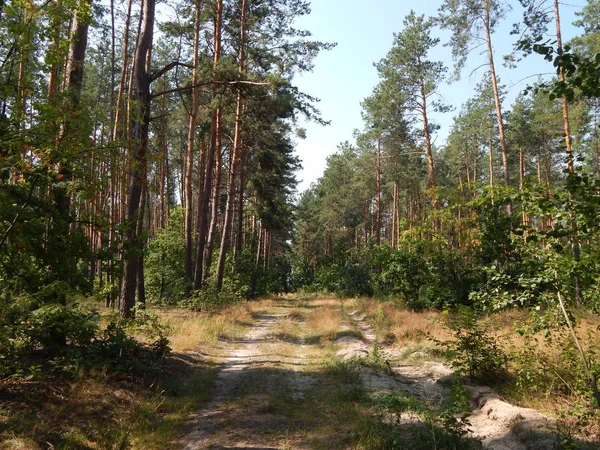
{"x":472,"y":350}
{"x":164,"y":264}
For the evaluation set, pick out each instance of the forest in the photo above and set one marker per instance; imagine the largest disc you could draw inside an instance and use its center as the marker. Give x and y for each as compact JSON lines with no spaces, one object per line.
{"x":147,"y":164}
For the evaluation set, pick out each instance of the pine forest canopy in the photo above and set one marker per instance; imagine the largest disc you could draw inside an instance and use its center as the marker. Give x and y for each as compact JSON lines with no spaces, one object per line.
{"x":147,"y":153}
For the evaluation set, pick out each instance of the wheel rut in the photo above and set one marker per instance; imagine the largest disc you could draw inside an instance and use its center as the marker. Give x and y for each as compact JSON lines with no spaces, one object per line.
{"x":269,"y":373}
{"x":257,"y":371}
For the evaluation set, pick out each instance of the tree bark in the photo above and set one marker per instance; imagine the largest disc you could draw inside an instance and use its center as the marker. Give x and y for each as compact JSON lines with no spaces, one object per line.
{"x":139,"y":150}
{"x":214,"y":208}
{"x":189,"y":209}
{"x":237,"y":143}
{"x":575,"y":247}
{"x":239,"y":237}
{"x":378,"y":187}
{"x":206,"y":191}
{"x":497,"y":103}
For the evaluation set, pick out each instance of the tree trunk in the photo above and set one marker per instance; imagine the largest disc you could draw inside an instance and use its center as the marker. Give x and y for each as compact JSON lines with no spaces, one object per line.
{"x":141,"y":286}
{"x":429,"y":153}
{"x":206,"y":191}
{"x":239,"y":237}
{"x":575,"y":247}
{"x":378,"y":187}
{"x":69,"y":136}
{"x":235,"y":156}
{"x":139,"y":150}
{"x":214,"y":208}
{"x":498,"y":105}
{"x":189,"y":168}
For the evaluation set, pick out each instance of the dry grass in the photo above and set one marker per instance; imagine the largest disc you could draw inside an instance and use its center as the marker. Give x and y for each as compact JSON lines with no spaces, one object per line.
{"x":193,"y":330}
{"x":399,"y":325}
{"x":324,"y":323}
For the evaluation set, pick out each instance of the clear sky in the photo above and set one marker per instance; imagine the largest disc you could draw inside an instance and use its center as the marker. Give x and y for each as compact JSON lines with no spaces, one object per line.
{"x":364,"y":30}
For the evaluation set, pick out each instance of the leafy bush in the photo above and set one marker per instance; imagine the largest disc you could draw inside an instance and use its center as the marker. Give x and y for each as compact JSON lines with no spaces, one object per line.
{"x":164,"y":264}
{"x":66,"y":339}
{"x":472,"y":350}
{"x":52,"y":327}
{"x":424,"y":274}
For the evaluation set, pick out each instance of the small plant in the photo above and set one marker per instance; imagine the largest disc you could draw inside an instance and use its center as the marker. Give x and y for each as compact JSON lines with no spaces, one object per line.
{"x":472,"y":351}
{"x":445,"y":427}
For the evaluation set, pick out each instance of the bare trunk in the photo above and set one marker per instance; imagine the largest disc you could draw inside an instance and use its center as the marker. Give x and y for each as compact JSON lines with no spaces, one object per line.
{"x":189,"y":210}
{"x":239,"y":237}
{"x":226,"y":231}
{"x":140,"y":126}
{"x":235,"y":156}
{"x":214,"y":209}
{"x":491,"y":169}
{"x":498,"y":105}
{"x":429,"y":154}
{"x":210,"y":158}
{"x":141,"y":286}
{"x":378,"y":187}
{"x":575,"y":247}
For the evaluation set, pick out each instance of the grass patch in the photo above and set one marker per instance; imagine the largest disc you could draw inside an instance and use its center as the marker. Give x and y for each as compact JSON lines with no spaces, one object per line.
{"x":99,"y":409}
{"x":189,"y":330}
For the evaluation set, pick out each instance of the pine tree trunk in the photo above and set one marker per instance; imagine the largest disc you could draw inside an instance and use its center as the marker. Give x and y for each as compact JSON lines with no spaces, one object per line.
{"x":68,"y":135}
{"x":239,"y":237}
{"x":140,"y":127}
{"x":189,"y":168}
{"x":226,"y":231}
{"x":210,"y":158}
{"x":378,"y":187}
{"x":235,"y":156}
{"x":429,"y":154}
{"x":575,"y":247}
{"x":497,"y":103}
{"x":214,"y":208}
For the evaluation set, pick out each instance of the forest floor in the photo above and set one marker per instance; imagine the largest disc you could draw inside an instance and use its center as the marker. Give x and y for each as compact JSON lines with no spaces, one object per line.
{"x":283,"y":373}
{"x":312,"y":375}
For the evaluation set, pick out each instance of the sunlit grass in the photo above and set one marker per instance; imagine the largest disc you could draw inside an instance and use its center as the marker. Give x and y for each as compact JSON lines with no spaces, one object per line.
{"x":189,"y":330}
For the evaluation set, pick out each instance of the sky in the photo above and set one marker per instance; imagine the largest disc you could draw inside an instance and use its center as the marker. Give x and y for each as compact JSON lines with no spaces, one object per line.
{"x":364,"y":33}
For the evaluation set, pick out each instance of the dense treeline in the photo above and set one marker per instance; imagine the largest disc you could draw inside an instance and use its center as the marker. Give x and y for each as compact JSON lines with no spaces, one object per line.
{"x":504,"y":213}
{"x":114,"y":115}
{"x":146,"y":154}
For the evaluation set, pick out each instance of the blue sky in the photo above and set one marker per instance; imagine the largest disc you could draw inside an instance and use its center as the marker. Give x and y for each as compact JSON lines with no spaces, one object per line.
{"x":344,"y":76}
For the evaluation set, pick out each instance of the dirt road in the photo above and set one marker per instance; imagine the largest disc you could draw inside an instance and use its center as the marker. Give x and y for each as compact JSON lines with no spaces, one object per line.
{"x":305,"y":375}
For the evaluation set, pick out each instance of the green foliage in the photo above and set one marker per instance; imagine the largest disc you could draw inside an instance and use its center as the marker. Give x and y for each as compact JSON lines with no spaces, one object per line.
{"x":445,"y":427}
{"x":67,"y":339}
{"x":424,"y":274}
{"x":52,"y":327}
{"x":354,"y":277}
{"x":34,"y":251}
{"x":208,"y":298}
{"x":164,"y":263}
{"x":525,"y":264}
{"x":472,"y":350}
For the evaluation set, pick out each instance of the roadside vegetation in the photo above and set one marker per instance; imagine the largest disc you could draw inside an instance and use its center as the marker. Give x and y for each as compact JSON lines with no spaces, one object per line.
{"x":110,"y":384}
{"x":148,"y":200}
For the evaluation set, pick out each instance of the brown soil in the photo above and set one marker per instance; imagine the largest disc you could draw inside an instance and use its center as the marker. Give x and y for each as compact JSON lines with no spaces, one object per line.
{"x":256,"y":374}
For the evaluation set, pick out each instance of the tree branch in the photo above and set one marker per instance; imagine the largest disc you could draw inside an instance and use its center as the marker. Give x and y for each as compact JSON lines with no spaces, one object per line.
{"x":187,"y":87}
{"x":161,"y":72}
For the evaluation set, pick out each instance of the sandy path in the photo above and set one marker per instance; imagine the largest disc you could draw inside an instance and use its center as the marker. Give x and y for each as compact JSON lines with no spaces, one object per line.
{"x":262,"y":371}
{"x":254,"y":371}
{"x":496,"y":423}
